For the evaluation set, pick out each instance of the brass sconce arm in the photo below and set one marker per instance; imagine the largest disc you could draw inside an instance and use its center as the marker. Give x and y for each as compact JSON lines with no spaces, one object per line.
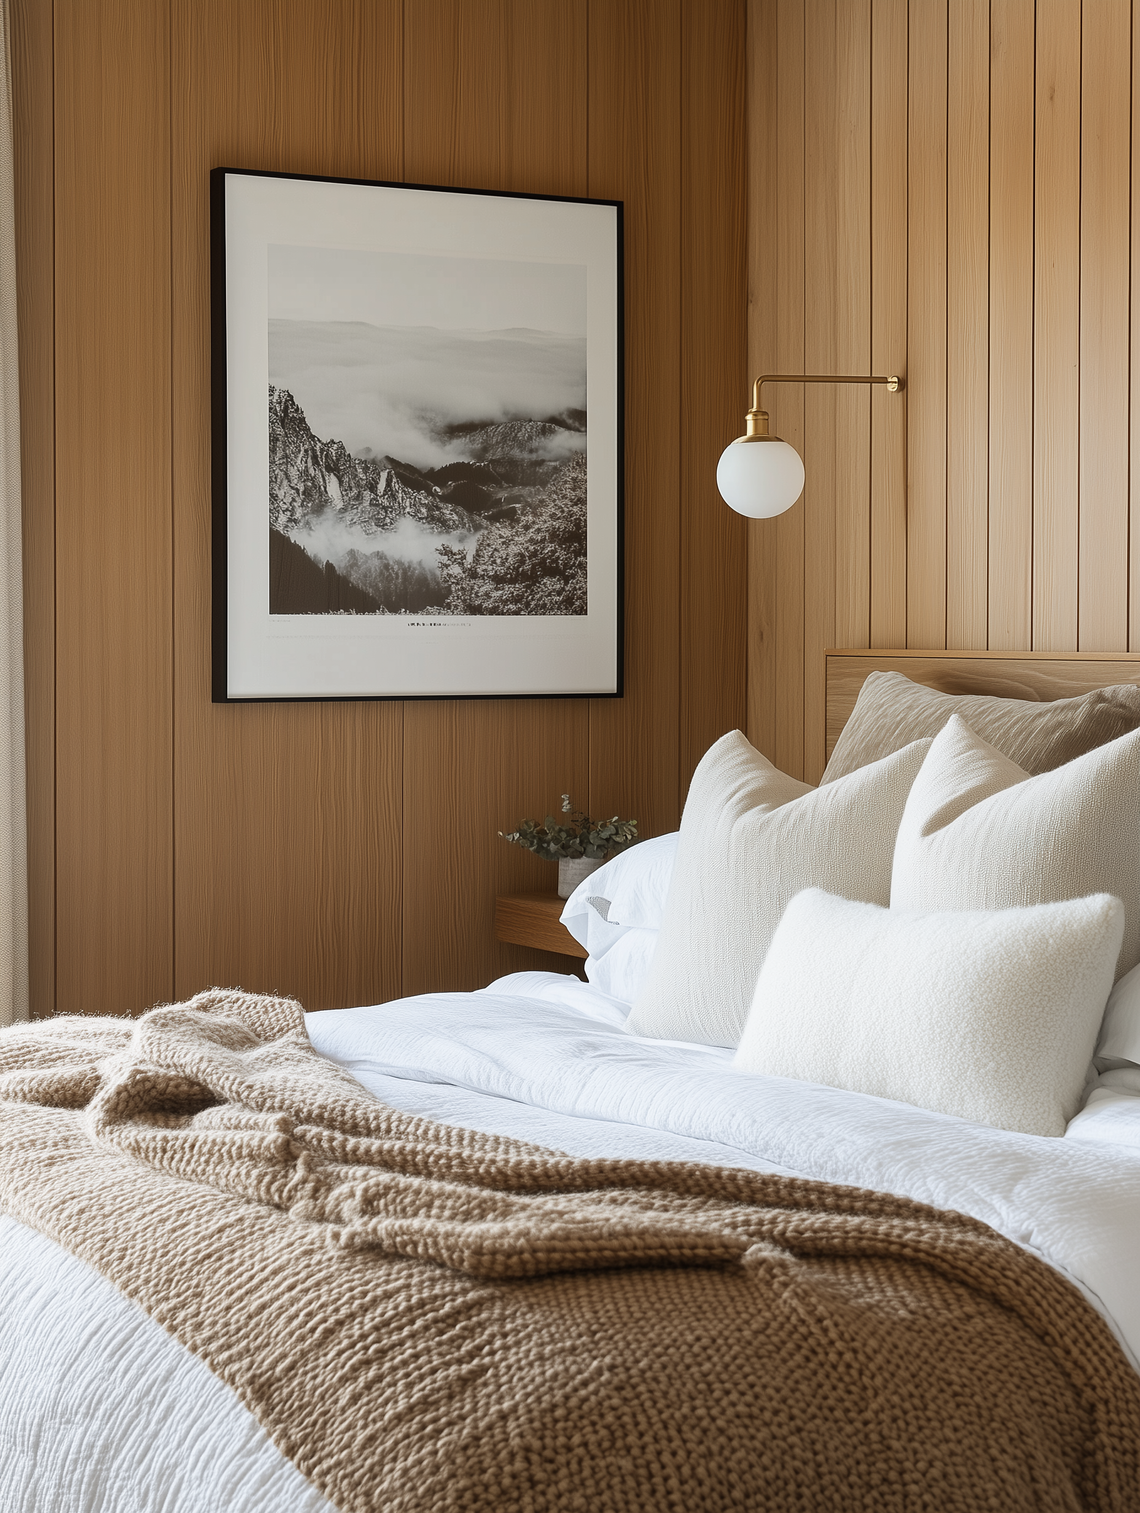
{"x":762,"y":481}
{"x":756,"y":420}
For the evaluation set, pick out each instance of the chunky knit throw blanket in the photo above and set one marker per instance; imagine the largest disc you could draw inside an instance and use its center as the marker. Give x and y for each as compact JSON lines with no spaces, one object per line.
{"x":427,"y":1318}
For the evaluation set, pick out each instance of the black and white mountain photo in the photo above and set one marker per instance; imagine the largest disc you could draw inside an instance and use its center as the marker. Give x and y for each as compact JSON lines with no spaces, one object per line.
{"x":427,"y":434}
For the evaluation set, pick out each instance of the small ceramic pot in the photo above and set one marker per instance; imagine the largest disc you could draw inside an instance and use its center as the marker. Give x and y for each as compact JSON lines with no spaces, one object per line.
{"x":571,"y":871}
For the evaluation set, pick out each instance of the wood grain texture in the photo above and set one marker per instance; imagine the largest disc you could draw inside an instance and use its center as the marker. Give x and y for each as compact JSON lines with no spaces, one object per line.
{"x":495,"y":97}
{"x":267,"y":845}
{"x":853,"y":323}
{"x":763,"y":301}
{"x":786,"y":404}
{"x":533,"y":919}
{"x":344,"y":852}
{"x":1027,"y":675}
{"x":495,"y":94}
{"x":1005,"y":256}
{"x":714,"y":376}
{"x":1102,"y":610}
{"x":288,"y":839}
{"x":635,"y":155}
{"x":1057,"y":327}
{"x":1011,"y":324}
{"x":821,"y":355}
{"x":113,"y":851}
{"x":33,"y":141}
{"x":1134,"y":385}
{"x":889,"y":75}
{"x":967,"y":322}
{"x":471,"y":770}
{"x":926,"y":322}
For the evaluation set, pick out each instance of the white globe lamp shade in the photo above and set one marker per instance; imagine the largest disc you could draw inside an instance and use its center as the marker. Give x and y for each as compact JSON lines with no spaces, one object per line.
{"x":760,"y":476}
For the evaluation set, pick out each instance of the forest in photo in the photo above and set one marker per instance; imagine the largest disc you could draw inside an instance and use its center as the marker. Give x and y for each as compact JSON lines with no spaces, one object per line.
{"x":499,"y":528}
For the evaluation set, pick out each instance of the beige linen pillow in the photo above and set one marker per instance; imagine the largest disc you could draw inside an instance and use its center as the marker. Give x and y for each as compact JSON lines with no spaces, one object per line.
{"x":991,"y":1016}
{"x":751,"y":838}
{"x":979,"y":833}
{"x":892,"y":711}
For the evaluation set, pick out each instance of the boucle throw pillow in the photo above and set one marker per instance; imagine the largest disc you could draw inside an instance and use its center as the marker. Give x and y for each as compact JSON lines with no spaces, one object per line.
{"x":892,"y":711}
{"x":979,"y":833}
{"x":991,"y":1016}
{"x":751,"y":839}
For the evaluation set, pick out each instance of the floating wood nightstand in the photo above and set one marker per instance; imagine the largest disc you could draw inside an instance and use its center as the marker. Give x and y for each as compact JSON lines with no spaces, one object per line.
{"x":531,"y":919}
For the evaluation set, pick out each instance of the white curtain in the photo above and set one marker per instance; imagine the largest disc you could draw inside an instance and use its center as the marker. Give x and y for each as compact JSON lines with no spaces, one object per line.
{"x":13,"y":823}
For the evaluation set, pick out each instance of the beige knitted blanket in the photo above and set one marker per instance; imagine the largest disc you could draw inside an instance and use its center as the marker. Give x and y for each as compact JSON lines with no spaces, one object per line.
{"x":427,"y":1318}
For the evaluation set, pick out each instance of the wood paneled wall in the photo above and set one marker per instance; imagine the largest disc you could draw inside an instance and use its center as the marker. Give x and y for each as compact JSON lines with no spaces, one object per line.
{"x":341,"y":853}
{"x":946,"y":189}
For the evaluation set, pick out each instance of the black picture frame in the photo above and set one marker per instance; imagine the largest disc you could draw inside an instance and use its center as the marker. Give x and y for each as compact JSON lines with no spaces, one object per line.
{"x":416,"y":507}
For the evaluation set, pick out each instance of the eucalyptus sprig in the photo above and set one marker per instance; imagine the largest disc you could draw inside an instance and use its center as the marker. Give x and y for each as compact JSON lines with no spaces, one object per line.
{"x":577,"y":836}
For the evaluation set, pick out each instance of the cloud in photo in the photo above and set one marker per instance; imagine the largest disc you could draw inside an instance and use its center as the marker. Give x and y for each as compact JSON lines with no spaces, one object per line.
{"x":391,"y":388}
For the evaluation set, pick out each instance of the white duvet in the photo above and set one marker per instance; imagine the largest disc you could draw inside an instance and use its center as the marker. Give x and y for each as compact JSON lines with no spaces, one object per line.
{"x":102,"y":1412}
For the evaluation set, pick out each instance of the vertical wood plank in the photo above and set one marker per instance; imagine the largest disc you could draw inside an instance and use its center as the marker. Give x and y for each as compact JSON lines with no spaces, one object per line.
{"x":113,"y":551}
{"x":889,"y":217}
{"x":786,"y":401}
{"x":853,"y":325}
{"x":1057,"y":327}
{"x":33,"y":143}
{"x":1134,"y":369}
{"x":288,"y":836}
{"x":487,"y":101}
{"x":635,"y":155}
{"x":763,"y":302}
{"x":713,"y":374}
{"x":494,"y":97}
{"x":469,"y":775}
{"x":1011,"y":324}
{"x":1102,"y":609}
{"x":926,"y":320}
{"x":821,"y":332}
{"x":967,"y":321}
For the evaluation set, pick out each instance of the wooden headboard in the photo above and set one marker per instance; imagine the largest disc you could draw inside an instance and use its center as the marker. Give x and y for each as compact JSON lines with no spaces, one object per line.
{"x":1010,"y":675}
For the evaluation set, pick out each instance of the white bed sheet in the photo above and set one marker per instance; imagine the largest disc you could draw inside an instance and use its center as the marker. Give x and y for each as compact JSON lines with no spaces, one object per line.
{"x":102,"y":1411}
{"x":126,"y":1421}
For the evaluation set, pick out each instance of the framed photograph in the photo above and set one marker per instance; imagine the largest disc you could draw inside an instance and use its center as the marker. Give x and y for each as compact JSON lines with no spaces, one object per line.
{"x":417,"y":441}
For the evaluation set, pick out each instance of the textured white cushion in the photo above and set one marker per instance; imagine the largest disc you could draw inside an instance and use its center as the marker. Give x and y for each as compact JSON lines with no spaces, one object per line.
{"x":891,"y":711}
{"x":988,"y":1015}
{"x":978,"y":833}
{"x":752,"y":838}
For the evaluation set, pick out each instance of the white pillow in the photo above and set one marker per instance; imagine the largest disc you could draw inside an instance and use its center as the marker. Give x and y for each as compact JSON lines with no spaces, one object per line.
{"x":979,"y":833}
{"x":631,"y":889}
{"x":621,"y":968}
{"x":752,"y":838}
{"x":991,"y":1016}
{"x":616,"y":912}
{"x":1120,"y":1033}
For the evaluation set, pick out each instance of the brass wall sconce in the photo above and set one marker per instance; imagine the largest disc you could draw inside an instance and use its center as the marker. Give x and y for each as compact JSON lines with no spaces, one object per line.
{"x":762,"y":481}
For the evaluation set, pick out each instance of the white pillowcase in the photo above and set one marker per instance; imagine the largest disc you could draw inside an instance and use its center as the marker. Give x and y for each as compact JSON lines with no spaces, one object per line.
{"x":630,"y":889}
{"x":979,"y":833}
{"x":620,"y":970}
{"x":752,"y":838}
{"x":991,"y":1015}
{"x":1120,"y":1033}
{"x":616,"y":913}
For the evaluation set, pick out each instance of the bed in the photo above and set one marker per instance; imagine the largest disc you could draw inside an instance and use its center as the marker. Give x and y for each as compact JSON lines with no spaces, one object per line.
{"x":107,"y":1402}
